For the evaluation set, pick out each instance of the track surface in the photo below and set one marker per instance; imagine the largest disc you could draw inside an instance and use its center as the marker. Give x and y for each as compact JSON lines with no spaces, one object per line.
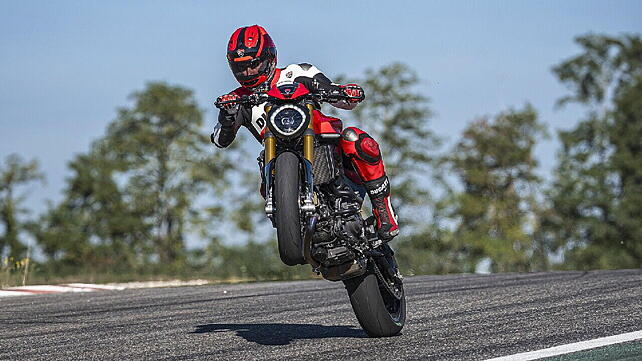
{"x":458,"y":317}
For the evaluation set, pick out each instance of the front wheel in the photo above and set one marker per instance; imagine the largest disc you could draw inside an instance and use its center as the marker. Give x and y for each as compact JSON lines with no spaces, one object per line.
{"x":380,"y":308}
{"x":287,"y":185}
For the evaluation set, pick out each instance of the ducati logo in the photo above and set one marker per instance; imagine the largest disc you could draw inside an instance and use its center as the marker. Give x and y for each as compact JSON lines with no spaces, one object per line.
{"x":240,"y":52}
{"x":381,"y":188}
{"x":288,"y":74}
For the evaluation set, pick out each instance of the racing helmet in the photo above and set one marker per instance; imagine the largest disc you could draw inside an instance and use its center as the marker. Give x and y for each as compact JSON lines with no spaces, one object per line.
{"x":251,"y":54}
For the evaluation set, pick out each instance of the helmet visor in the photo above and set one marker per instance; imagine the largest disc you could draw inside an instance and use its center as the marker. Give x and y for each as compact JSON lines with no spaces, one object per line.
{"x":250,"y":69}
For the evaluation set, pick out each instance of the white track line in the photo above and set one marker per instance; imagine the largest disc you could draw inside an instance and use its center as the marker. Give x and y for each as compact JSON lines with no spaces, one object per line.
{"x":13,"y":293}
{"x":571,"y":347}
{"x":88,"y":287}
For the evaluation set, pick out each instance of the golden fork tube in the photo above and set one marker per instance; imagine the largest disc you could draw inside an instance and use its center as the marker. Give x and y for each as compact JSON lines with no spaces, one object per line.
{"x":270,"y":147}
{"x":308,"y":146}
{"x":308,"y":138}
{"x":268,"y":141}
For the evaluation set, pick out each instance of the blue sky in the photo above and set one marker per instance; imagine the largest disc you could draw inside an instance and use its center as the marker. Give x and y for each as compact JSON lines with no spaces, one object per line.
{"x":66,"y":65}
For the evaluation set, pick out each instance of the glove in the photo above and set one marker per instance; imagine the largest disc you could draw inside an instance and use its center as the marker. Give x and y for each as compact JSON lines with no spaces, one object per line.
{"x":227,"y":98}
{"x":227,"y":116}
{"x":354,"y":92}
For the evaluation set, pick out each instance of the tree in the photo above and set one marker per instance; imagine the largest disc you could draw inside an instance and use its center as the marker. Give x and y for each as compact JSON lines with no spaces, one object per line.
{"x":138,"y":192}
{"x":495,"y":164}
{"x":164,"y":150}
{"x":94,"y":227}
{"x":597,"y":193}
{"x":15,"y":173}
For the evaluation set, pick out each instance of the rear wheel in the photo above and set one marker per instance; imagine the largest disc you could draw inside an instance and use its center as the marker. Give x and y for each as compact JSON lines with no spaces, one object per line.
{"x":287,"y":187}
{"x":380,"y":306}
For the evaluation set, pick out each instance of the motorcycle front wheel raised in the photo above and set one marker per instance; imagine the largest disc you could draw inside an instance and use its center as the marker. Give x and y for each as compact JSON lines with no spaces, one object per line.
{"x":379,"y":313}
{"x":287,"y":185}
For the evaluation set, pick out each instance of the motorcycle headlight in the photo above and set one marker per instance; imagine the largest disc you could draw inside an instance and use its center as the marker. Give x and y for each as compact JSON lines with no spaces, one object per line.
{"x":288,"y":120}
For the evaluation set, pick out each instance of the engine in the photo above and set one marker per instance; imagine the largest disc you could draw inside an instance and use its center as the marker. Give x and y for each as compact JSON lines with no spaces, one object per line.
{"x":340,"y":228}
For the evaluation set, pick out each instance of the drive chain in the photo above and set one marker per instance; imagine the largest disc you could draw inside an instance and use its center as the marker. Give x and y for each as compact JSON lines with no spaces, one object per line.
{"x":394,"y":291}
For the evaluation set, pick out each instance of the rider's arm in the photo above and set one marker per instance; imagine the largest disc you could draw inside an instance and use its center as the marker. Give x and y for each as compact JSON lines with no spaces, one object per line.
{"x":230,"y":118}
{"x":313,"y":79}
{"x":226,"y":128}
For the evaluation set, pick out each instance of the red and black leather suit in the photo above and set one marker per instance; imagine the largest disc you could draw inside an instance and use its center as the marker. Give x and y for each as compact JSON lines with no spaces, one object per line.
{"x":358,"y":147}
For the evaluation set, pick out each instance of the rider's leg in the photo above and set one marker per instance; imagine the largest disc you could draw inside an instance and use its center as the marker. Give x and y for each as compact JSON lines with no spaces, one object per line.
{"x":363,"y":152}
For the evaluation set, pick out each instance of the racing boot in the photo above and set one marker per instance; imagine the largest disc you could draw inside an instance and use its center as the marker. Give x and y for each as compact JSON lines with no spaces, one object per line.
{"x":379,"y":193}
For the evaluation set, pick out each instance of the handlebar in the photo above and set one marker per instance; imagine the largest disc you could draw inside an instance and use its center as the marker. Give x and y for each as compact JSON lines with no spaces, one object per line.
{"x":252,"y":99}
{"x":321,"y":96}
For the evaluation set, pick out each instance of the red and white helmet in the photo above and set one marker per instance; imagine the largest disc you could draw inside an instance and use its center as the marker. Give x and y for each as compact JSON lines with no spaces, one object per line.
{"x":251,"y":54}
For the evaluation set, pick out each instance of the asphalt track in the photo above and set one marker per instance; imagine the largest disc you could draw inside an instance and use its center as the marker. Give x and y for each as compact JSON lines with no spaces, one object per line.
{"x":456,"y":317}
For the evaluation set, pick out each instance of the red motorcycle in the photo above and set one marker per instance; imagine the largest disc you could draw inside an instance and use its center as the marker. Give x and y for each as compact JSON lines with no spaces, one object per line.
{"x":316,"y":209}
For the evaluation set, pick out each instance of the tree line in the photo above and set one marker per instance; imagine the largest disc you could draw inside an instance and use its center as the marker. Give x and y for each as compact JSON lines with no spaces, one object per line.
{"x":153,"y":181}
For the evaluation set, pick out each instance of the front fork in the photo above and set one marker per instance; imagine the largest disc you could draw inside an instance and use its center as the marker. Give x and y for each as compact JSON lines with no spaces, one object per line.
{"x":269,"y":142}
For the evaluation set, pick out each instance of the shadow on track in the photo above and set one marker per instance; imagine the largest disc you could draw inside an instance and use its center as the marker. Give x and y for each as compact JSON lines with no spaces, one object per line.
{"x":281,"y":333}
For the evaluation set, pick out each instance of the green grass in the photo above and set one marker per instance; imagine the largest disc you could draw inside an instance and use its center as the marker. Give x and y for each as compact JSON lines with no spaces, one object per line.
{"x":627,"y":351}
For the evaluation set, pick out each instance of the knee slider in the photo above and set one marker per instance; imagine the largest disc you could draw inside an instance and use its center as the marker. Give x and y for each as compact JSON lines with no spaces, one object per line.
{"x":368,"y":149}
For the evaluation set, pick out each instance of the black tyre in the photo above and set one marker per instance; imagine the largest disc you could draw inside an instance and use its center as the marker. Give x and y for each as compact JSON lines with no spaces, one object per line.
{"x":379,"y":313}
{"x":288,"y":216}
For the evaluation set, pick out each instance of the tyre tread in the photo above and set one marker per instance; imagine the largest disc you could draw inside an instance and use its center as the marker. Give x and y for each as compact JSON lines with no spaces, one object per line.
{"x":286,"y":196}
{"x":369,"y":307}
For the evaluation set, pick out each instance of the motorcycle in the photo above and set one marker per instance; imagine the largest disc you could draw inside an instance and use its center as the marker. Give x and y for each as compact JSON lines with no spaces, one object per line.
{"x":316,"y":209}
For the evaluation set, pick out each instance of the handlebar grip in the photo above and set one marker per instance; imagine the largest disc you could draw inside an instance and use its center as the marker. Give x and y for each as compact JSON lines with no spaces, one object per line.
{"x":245,"y":99}
{"x":220,"y":105}
{"x":359,"y":98}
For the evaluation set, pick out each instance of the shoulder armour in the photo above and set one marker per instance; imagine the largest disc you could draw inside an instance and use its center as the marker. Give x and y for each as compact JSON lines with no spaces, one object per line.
{"x":293,"y":71}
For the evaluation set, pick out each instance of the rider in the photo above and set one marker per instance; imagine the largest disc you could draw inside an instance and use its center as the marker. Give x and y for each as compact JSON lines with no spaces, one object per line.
{"x":251,"y":54}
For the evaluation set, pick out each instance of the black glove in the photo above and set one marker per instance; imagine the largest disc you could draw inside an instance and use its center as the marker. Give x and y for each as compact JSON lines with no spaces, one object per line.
{"x":227,"y":118}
